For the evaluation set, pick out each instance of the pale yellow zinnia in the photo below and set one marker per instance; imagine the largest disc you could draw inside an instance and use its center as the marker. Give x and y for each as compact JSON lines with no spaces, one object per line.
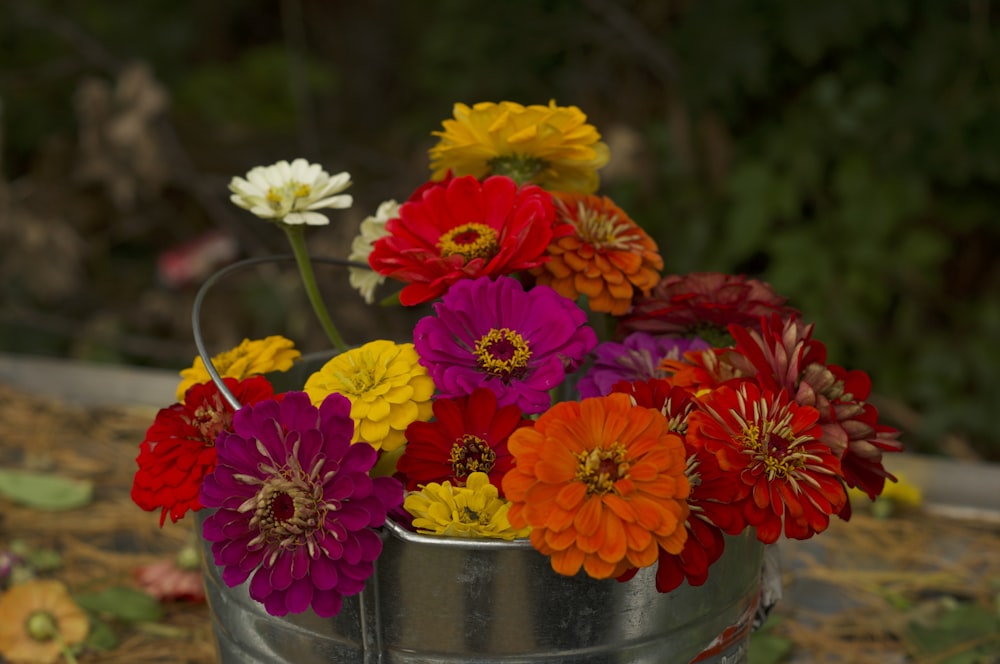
{"x":551,"y":146}
{"x":473,"y":510}
{"x":386,"y":385}
{"x":251,"y":358}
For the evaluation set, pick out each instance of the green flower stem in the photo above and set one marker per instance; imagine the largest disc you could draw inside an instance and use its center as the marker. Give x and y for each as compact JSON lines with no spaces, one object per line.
{"x":297,"y":238}
{"x":66,"y":651}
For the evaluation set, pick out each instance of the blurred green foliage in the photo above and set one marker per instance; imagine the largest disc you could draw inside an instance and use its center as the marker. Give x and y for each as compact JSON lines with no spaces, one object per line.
{"x":847,"y":152}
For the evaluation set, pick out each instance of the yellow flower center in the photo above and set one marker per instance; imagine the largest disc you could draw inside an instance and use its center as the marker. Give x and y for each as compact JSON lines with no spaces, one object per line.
{"x":210,"y":421}
{"x":275,"y":195}
{"x":502,"y":352}
{"x":599,"y":229}
{"x":775,"y":450}
{"x":471,"y":454}
{"x":601,"y":467}
{"x":470,"y":240}
{"x":472,"y":517}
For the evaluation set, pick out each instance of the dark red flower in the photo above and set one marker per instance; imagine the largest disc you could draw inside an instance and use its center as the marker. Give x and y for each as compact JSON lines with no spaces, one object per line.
{"x":781,"y":354}
{"x":463,"y":230}
{"x":179,"y":448}
{"x":788,"y":478}
{"x":468,"y":434}
{"x":704,"y":304}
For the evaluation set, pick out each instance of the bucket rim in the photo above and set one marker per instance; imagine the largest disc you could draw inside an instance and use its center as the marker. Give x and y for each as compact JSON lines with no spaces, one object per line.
{"x":482,"y":544}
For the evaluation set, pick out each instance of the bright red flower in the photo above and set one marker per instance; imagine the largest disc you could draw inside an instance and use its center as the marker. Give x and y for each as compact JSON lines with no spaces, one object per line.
{"x":788,"y":477}
{"x":463,"y":230}
{"x":783,"y":355}
{"x":468,"y":434}
{"x":179,"y":448}
{"x":704,"y":304}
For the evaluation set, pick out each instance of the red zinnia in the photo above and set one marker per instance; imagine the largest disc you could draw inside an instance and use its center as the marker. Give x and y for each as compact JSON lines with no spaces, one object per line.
{"x":179,"y":448}
{"x":675,"y":403}
{"x":712,"y":490}
{"x":463,"y":230}
{"x":704,"y":304}
{"x":468,"y":434}
{"x":788,"y":476}
{"x":781,"y":354}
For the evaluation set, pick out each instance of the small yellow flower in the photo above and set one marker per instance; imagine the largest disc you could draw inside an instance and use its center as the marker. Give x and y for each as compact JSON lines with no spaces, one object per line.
{"x":551,"y":146}
{"x":38,"y":619}
{"x":475,"y":510}
{"x":250,"y":358}
{"x":372,"y":228}
{"x":386,"y":385}
{"x":898,"y":496}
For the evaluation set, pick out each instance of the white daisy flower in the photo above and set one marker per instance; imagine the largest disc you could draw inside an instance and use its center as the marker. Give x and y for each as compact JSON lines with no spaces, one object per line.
{"x":289,"y":193}
{"x":372,"y":228}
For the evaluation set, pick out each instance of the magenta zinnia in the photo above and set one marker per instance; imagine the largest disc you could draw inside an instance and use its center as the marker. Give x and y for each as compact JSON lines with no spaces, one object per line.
{"x":296,"y":506}
{"x":494,"y":334}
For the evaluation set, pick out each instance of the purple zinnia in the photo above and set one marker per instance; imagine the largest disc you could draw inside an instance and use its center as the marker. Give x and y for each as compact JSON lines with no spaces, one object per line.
{"x":296,"y":506}
{"x":636,"y":358}
{"x":492,"y":333}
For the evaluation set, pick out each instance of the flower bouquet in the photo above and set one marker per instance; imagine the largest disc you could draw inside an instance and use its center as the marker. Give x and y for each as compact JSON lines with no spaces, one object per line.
{"x":562,"y":395}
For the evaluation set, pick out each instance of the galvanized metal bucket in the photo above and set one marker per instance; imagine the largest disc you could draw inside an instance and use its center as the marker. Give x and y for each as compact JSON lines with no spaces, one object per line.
{"x":437,"y":600}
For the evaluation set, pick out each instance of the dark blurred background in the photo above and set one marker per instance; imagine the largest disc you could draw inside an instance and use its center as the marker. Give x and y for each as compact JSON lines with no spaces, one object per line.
{"x":847,"y":152}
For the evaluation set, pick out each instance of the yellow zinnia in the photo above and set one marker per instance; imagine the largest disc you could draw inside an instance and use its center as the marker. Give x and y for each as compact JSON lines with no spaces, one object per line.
{"x":386,"y":385}
{"x":473,"y":510}
{"x":250,"y":358}
{"x":39,"y":621}
{"x":551,"y":146}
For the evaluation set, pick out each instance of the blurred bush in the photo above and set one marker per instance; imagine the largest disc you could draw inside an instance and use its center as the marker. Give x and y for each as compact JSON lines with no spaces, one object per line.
{"x":846,"y":152}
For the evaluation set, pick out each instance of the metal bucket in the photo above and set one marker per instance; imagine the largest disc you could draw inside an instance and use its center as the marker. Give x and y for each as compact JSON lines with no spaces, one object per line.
{"x":438,"y":600}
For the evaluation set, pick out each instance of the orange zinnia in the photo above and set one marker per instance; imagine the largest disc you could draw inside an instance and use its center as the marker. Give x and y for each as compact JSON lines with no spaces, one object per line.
{"x":607,"y":258}
{"x":601,"y":483}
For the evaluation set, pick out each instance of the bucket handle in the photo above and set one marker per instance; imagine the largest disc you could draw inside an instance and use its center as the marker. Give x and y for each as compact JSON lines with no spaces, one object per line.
{"x":199,"y":340}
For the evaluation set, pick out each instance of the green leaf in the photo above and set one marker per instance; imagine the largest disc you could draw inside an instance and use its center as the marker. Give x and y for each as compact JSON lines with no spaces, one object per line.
{"x":766,"y":647}
{"x":43,"y":491}
{"x":101,"y":636}
{"x":126,"y":604}
{"x":965,"y":632}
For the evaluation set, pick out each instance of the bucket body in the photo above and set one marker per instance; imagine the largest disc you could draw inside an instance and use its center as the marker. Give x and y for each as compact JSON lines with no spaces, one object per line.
{"x":438,"y":600}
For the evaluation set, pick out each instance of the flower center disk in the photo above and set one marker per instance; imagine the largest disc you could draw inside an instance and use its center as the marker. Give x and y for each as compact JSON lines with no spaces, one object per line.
{"x":286,"y":513}
{"x":471,"y":454}
{"x":503,"y":353}
{"x":600,"y":468}
{"x":470,"y":240}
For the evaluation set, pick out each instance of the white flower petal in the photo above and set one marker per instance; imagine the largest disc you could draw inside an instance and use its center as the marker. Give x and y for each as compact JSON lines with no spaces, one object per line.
{"x":339,"y":202}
